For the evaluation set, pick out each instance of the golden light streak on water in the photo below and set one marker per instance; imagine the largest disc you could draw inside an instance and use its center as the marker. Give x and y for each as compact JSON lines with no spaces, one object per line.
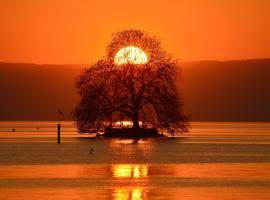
{"x":129,"y":170}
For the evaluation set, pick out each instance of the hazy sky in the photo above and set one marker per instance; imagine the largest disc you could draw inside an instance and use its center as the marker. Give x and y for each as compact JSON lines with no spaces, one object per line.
{"x":66,"y":31}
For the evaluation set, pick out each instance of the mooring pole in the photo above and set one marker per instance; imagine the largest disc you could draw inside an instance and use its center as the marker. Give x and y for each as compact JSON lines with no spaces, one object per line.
{"x":58,"y":133}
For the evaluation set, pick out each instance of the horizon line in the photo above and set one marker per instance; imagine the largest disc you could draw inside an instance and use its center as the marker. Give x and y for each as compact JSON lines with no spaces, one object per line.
{"x":181,"y":61}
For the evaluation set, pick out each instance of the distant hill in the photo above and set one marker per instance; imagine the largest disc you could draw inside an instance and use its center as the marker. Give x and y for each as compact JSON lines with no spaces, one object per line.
{"x":227,"y":91}
{"x":37,"y":92}
{"x":211,"y":90}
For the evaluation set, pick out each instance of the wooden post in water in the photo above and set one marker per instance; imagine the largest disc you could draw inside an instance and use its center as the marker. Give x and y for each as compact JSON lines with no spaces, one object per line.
{"x":58,"y":133}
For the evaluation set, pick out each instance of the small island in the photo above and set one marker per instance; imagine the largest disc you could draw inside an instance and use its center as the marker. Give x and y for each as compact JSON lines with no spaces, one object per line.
{"x":135,"y":83}
{"x":131,"y":133}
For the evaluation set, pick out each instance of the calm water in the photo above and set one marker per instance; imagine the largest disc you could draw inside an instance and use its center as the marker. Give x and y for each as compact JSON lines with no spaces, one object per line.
{"x":214,"y":161}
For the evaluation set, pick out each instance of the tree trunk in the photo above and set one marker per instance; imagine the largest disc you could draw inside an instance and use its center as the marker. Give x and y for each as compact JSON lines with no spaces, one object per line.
{"x":136,"y":120}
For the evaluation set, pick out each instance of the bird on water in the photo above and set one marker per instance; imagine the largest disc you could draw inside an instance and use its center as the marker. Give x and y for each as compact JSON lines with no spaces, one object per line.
{"x":91,"y":151}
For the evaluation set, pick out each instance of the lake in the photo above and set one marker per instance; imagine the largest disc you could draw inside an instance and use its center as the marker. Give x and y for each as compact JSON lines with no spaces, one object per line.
{"x":216,"y":160}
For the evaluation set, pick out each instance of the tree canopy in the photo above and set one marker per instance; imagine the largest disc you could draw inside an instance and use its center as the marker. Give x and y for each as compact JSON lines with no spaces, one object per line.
{"x":143,"y":92}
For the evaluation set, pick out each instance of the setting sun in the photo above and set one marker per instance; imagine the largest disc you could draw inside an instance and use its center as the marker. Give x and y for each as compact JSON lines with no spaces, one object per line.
{"x":130,"y":55}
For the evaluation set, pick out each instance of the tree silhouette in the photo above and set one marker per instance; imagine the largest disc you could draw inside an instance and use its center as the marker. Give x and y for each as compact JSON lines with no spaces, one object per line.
{"x":143,"y":92}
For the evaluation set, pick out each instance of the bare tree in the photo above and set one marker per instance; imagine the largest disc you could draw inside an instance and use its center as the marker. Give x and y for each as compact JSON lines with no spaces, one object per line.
{"x":140,"y":92}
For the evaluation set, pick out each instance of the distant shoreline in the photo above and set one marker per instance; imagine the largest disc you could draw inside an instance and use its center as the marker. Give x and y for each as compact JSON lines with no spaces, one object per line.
{"x":234,"y":90}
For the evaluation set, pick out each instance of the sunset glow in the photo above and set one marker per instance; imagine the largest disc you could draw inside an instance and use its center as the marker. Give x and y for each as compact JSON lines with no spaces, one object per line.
{"x":73,"y":32}
{"x":130,"y":55}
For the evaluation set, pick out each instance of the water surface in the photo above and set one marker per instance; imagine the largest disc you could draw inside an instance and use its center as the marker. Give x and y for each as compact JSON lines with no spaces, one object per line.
{"x":213,"y":161}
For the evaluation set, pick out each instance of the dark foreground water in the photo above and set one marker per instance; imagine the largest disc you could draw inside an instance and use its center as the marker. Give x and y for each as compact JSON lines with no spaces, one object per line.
{"x":214,"y":161}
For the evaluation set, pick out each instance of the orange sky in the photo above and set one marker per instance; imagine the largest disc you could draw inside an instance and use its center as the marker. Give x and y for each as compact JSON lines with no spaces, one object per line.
{"x":66,"y":31}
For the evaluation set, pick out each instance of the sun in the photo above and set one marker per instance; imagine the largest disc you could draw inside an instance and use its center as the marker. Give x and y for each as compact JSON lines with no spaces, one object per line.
{"x":130,"y":55}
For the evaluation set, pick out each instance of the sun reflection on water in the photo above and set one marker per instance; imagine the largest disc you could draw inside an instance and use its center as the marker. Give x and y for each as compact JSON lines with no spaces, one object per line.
{"x":124,"y":141}
{"x":133,"y":171}
{"x":130,"y":170}
{"x":136,"y":193}
{"x":132,"y":146}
